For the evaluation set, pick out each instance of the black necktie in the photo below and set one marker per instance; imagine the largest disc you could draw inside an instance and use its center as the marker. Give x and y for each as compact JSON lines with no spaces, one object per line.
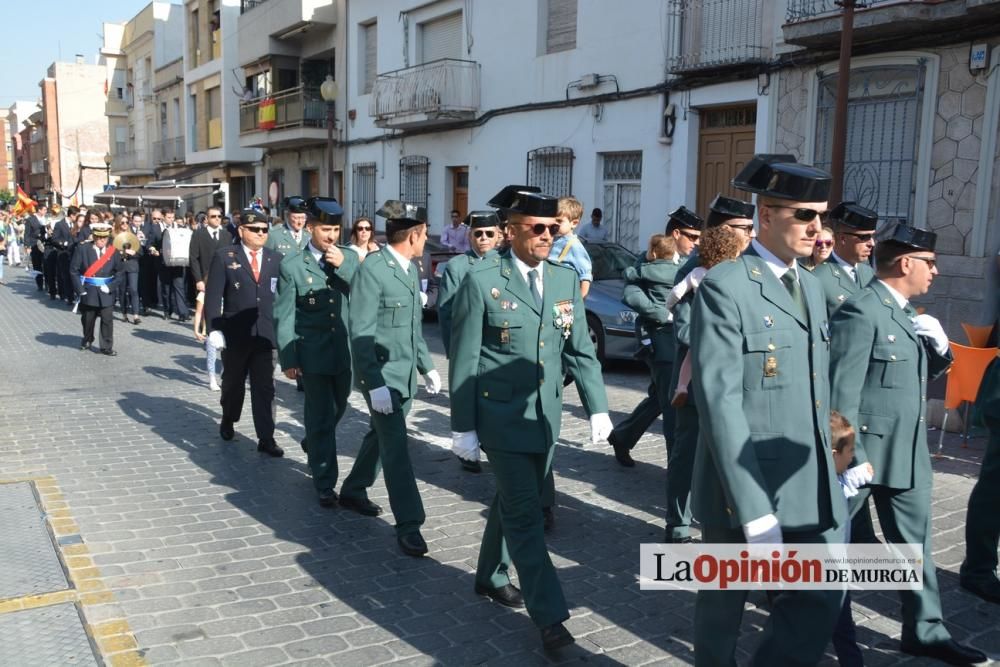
{"x":533,"y":287}
{"x":795,"y":291}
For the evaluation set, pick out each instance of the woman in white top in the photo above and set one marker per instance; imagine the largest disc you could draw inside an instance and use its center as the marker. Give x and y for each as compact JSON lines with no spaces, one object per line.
{"x":362,"y":241}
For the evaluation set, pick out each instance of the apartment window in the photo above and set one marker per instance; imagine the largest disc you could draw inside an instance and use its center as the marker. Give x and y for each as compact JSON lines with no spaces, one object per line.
{"x":413,"y":171}
{"x":551,"y":169}
{"x":310,"y":183}
{"x":193,"y":117}
{"x":622,"y":176}
{"x":363,"y":191}
{"x":178,"y":121}
{"x":214,"y":117}
{"x":441,"y":38}
{"x":883,"y":127}
{"x":560,"y":25}
{"x":369,"y":56}
{"x":193,"y":38}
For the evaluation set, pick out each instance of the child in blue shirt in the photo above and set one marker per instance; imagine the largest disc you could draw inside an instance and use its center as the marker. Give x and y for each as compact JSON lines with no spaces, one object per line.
{"x":567,"y":248}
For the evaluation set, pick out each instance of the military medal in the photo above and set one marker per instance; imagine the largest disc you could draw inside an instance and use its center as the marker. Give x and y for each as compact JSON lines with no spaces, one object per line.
{"x":768,"y":321}
{"x":563,"y":317}
{"x":771,"y":367}
{"x":892,"y":339}
{"x":513,"y":305}
{"x":312,"y":301}
{"x":236,"y":285}
{"x":504,"y":305}
{"x":495,"y":293}
{"x":234,"y":265}
{"x":505,"y":336}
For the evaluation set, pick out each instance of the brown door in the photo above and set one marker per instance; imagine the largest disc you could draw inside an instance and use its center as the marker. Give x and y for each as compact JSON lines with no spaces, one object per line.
{"x":725,"y":144}
{"x":460,"y":190}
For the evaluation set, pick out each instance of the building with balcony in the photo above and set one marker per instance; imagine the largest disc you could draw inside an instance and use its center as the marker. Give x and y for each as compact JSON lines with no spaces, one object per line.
{"x":170,"y":146}
{"x":17,"y":143}
{"x":922,"y":133}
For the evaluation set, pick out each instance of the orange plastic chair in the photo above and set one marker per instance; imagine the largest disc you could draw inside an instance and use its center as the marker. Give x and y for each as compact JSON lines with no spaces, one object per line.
{"x":977,"y":335}
{"x":964,"y":378}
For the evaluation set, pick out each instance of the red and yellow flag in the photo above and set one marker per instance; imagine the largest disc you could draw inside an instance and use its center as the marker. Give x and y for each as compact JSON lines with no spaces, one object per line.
{"x":25,"y":204}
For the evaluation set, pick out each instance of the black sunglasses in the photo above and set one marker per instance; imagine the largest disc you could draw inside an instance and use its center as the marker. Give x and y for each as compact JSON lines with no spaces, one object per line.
{"x":803,"y":214}
{"x":538,"y":228}
{"x":364,"y":229}
{"x":862,"y":237}
{"x":255,"y":229}
{"x":693,"y":236}
{"x":931,"y":261}
{"x":214,"y":216}
{"x":488,"y":233}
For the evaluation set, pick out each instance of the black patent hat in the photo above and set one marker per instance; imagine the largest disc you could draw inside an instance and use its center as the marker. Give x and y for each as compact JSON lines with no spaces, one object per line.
{"x":401,"y":213}
{"x":296,"y":204}
{"x":732,"y":208}
{"x":479,"y":219}
{"x":781,"y":177}
{"x":905,"y":236}
{"x":325,"y":210}
{"x":853,"y":215}
{"x":526,"y":200}
{"x":683,"y":217}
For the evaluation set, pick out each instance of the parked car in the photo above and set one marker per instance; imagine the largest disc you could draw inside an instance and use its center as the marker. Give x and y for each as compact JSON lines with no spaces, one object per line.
{"x":610,"y":322}
{"x":436,"y":256}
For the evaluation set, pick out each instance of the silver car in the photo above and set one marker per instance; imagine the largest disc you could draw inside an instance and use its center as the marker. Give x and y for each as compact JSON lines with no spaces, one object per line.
{"x":610,"y":322}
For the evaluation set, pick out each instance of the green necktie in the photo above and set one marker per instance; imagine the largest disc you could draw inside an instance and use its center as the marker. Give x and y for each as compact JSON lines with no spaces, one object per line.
{"x":795,"y":291}
{"x":533,"y":286}
{"x":909,"y":310}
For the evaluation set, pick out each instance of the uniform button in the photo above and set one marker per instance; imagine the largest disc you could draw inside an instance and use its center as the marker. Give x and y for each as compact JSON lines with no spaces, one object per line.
{"x":817,"y":404}
{"x":892,"y":357}
{"x":729,"y":511}
{"x":258,"y":298}
{"x":864,"y":429}
{"x":333,"y":314}
{"x":331,"y":300}
{"x":541,"y":363}
{"x":505,"y":322}
{"x":770,"y":346}
{"x":814,"y":376}
{"x":486,"y":394}
{"x":921,"y":420}
{"x":541,"y":344}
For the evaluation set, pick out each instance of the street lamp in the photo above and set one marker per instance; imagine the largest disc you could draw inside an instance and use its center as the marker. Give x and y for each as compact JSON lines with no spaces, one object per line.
{"x":107,"y":166}
{"x":328,"y":91}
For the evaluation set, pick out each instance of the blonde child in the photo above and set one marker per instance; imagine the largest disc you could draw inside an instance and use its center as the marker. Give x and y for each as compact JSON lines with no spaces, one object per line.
{"x":212,"y":347}
{"x":842,"y":436}
{"x":567,"y":248}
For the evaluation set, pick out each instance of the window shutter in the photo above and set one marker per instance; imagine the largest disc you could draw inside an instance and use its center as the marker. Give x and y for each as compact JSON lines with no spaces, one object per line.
{"x":441,"y":38}
{"x":560,"y":33}
{"x":371,"y":56}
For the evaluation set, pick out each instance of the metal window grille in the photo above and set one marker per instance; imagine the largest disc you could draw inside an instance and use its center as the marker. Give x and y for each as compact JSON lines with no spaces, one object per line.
{"x":622,"y":193}
{"x":717,"y":33}
{"x":413,"y":171}
{"x":551,"y":169}
{"x":363,"y":202}
{"x":883,"y":126}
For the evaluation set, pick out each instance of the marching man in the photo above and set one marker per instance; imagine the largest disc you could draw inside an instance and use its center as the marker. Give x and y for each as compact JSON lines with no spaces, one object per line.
{"x":94,"y":270}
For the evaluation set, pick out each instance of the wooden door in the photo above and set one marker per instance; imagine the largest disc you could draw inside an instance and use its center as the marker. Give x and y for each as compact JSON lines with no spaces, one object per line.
{"x":725,"y":144}
{"x":460,"y":190}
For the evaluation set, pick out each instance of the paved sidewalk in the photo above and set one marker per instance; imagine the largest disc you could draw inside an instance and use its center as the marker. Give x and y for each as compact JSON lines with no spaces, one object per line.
{"x":205,"y":552}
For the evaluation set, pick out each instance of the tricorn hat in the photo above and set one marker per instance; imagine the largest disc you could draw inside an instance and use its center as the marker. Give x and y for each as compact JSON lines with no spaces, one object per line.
{"x":683,"y":217}
{"x":781,"y":177}
{"x":400,"y":212}
{"x":478,"y":219}
{"x":732,"y":208}
{"x":325,"y":210}
{"x":526,"y":200}
{"x":251,"y":216}
{"x":853,"y":215}
{"x":907,"y":236}
{"x":297,"y":204}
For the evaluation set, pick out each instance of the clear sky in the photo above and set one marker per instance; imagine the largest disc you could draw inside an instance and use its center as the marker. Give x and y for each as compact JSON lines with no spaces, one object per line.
{"x":40,"y":32}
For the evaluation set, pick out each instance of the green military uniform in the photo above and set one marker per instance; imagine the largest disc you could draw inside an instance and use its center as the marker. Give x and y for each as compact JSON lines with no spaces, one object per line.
{"x":879,"y":372}
{"x":389,"y":350}
{"x":982,"y":523}
{"x":281,"y":239}
{"x":838,"y":285}
{"x":311,"y":327}
{"x":506,"y":380}
{"x":454,"y":272}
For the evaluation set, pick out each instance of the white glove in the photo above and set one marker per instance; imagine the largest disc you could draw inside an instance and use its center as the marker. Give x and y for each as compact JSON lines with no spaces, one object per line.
{"x":423,"y":299}
{"x":849,"y":489}
{"x":381,"y":400}
{"x":600,"y":427}
{"x":765,"y":530}
{"x":432,"y":382}
{"x":858,"y":476}
{"x":105,"y":289}
{"x":927,"y":325}
{"x":217,"y":339}
{"x":465,"y":445}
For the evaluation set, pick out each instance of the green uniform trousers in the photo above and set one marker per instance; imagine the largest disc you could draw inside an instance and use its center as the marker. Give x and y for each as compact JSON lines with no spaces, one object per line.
{"x":325,"y":404}
{"x":384,"y":447}
{"x":797,"y":630}
{"x":982,"y":522}
{"x":514,"y":533}
{"x":680,"y":460}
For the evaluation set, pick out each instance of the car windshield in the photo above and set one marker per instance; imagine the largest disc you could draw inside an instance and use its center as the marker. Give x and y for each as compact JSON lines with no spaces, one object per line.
{"x":609,"y":260}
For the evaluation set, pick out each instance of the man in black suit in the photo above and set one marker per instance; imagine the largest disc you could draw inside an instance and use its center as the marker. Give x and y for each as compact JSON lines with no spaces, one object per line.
{"x":57,"y":256}
{"x":149,"y":266}
{"x":239,"y":302}
{"x":205,"y":242}
{"x":95,"y":269}
{"x":34,"y":239}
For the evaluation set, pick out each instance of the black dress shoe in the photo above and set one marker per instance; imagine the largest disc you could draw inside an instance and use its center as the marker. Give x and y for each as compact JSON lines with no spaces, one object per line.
{"x":548,"y":519}
{"x":327,"y":498}
{"x":360,"y":505}
{"x":412,"y":544}
{"x":109,"y":353}
{"x":949,"y":651}
{"x":270,"y":447}
{"x":508,"y":595}
{"x":622,"y":453}
{"x":226,"y":431}
{"x":470,"y":466}
{"x":986,"y":590}
{"x":556,"y":636}
{"x":302,"y":443}
{"x":84,"y":345}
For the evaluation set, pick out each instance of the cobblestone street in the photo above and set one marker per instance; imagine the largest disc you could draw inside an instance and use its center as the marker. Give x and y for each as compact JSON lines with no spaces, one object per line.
{"x":203,"y":552}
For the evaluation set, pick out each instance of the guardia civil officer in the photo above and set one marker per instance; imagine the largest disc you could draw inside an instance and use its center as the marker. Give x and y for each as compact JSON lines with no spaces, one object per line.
{"x":518,"y":319}
{"x":290,"y":237}
{"x":95,"y":270}
{"x":882,"y":355}
{"x":310,"y":319}
{"x":846,"y":270}
{"x":239,"y":302}
{"x":763,"y":472}
{"x":389,"y":351}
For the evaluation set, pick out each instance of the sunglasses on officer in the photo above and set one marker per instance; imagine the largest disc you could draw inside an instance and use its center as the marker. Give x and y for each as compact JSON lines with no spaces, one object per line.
{"x":255,"y":229}
{"x":488,"y":233}
{"x":803,"y":214}
{"x":538,"y":228}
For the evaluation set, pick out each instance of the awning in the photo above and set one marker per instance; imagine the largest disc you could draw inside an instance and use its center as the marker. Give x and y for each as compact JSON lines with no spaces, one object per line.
{"x":154,"y":195}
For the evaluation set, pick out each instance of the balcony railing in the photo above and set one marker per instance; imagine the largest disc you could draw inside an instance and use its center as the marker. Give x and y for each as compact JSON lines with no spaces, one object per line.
{"x":167,"y":151}
{"x":295,"y":107}
{"x":247,"y":5}
{"x":446,"y":88}
{"x":38,"y":166}
{"x":130,"y":161}
{"x":803,"y":10}
{"x":717,"y":34}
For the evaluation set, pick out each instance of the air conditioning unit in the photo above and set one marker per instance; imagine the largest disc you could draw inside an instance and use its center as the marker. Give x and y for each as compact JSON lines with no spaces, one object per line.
{"x":590,"y":80}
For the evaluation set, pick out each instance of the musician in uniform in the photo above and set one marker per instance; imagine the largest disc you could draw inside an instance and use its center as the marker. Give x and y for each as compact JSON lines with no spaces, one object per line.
{"x":291,"y":237}
{"x":310,"y":319}
{"x":95,"y":270}
{"x":518,"y":319}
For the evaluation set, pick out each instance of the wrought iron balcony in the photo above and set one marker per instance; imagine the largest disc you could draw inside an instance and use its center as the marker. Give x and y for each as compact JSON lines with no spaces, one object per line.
{"x":435,"y":93}
{"x":135,"y":161}
{"x":803,"y":10}
{"x":168,"y":151}
{"x":299,"y":118}
{"x":718,"y":34}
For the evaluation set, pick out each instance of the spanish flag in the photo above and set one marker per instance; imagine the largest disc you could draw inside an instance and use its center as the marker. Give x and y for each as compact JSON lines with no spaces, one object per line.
{"x":25,"y":204}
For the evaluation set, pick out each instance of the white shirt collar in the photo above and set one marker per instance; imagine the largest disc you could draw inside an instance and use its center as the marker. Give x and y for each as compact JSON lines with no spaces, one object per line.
{"x":247,"y":251}
{"x":317,"y":254}
{"x":523,"y":269}
{"x":403,"y":262}
{"x":778,"y":267}
{"x":901,"y":300}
